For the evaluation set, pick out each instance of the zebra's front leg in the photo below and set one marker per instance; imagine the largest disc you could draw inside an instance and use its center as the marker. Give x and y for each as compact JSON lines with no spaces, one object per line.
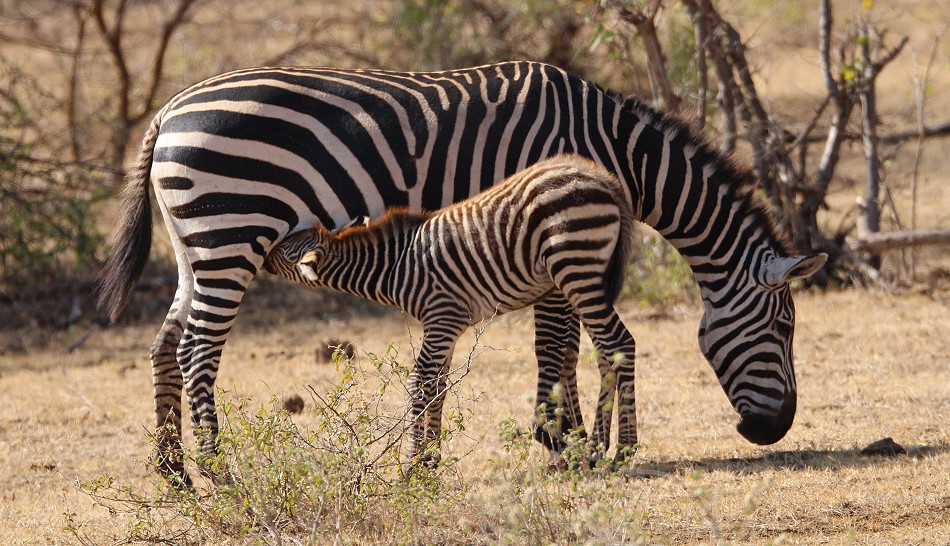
{"x":557,"y":337}
{"x":427,"y":385}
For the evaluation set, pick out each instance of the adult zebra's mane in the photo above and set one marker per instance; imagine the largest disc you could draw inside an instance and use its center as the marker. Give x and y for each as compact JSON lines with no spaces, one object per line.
{"x":727,"y":171}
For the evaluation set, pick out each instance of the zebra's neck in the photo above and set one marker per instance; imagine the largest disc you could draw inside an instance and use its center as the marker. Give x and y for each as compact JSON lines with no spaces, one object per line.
{"x":358,"y":267}
{"x":361,"y":261}
{"x":699,"y":201}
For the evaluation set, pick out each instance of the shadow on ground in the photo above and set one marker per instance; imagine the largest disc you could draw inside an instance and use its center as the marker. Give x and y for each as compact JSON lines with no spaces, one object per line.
{"x":807,"y":459}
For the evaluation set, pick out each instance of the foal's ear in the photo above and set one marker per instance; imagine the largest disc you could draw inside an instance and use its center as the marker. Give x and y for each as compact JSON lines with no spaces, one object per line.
{"x":303,"y":266}
{"x":307,"y":258}
{"x":319,"y":231}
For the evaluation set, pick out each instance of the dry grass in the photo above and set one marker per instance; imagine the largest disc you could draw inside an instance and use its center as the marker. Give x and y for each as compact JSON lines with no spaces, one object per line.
{"x":869,"y":366}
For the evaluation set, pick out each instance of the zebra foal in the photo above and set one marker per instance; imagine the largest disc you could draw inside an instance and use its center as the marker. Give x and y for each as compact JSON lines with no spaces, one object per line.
{"x":562,"y":225}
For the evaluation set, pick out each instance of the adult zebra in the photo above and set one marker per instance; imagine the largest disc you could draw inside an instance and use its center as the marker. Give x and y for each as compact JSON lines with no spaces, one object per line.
{"x":561,"y":224}
{"x":241,"y":159}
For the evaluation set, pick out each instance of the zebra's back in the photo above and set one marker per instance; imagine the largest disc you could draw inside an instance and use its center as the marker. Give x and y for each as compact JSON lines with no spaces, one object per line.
{"x":328,"y":145}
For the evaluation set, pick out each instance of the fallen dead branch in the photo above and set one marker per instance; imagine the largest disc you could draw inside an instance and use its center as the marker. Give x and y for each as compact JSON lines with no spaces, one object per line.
{"x":878,"y":242}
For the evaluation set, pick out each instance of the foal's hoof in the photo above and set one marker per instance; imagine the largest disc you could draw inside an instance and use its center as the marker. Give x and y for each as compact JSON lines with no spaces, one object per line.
{"x":180,"y":481}
{"x":551,"y":440}
{"x":625,"y":455}
{"x":422,"y":463}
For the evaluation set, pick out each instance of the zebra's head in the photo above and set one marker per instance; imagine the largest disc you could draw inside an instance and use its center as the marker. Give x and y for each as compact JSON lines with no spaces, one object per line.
{"x":299,"y":255}
{"x":311,"y":255}
{"x":748,"y":342}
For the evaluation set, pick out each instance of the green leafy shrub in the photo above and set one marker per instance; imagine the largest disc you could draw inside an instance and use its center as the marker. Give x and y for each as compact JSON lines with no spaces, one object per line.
{"x":47,"y":230}
{"x":658,"y":275}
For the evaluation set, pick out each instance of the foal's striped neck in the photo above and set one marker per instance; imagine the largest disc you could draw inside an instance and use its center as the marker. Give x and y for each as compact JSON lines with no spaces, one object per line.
{"x":360,"y":260}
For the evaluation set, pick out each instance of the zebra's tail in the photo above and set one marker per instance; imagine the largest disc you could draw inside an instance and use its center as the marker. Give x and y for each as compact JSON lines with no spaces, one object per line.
{"x":617,"y":267}
{"x":122,"y":270}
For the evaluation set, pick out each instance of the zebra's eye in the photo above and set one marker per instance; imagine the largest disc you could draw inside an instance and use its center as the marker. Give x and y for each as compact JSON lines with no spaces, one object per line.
{"x":783,"y":328}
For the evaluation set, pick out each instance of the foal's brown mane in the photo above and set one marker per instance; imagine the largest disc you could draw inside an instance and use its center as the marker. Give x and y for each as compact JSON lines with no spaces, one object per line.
{"x":394,"y":220}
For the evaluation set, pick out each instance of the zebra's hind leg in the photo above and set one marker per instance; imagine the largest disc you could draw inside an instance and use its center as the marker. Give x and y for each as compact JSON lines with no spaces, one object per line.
{"x":217,"y":296}
{"x":557,"y":336}
{"x":168,"y":384}
{"x":616,"y":351}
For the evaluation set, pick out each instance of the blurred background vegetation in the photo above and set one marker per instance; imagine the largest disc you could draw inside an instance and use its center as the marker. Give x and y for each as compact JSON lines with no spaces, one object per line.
{"x":80,"y":78}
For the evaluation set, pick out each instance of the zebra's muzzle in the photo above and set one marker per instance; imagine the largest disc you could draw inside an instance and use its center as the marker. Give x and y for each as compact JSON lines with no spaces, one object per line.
{"x":768,"y":428}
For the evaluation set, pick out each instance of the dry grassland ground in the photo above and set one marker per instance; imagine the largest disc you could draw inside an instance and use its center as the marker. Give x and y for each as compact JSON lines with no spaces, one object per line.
{"x":869,"y":365}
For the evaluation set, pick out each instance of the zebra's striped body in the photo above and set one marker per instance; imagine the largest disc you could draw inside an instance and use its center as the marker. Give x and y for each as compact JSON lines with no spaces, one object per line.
{"x":561,"y":225}
{"x":242,"y":159}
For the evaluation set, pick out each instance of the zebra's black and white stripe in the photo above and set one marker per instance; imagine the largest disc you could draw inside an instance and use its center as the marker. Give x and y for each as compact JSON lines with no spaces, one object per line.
{"x":562,"y":225}
{"x":242,"y":159}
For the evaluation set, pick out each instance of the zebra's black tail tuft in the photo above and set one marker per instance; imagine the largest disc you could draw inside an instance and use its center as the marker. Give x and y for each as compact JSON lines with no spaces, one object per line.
{"x":122,"y":270}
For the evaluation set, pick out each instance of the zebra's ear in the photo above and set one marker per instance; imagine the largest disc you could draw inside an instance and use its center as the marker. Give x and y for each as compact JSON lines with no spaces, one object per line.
{"x":785,"y":270}
{"x":359,"y":221}
{"x":309,"y":257}
{"x":303,"y":266}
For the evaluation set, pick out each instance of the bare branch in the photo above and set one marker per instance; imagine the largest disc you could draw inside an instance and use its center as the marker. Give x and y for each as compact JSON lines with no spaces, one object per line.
{"x":168,"y":29}
{"x":72,"y":82}
{"x":824,"y":48}
{"x":878,"y":242}
{"x":699,"y":16}
{"x":800,"y":141}
{"x":940,"y":129}
{"x":920,"y":101}
{"x":645,"y":25}
{"x":112,"y":34}
{"x":869,"y":122}
{"x":889,"y":56}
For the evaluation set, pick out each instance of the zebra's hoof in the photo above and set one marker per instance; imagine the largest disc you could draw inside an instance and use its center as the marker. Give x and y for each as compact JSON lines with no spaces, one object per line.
{"x":552,"y":441}
{"x":625,"y":454}
{"x":174,"y":474}
{"x":179,"y":481}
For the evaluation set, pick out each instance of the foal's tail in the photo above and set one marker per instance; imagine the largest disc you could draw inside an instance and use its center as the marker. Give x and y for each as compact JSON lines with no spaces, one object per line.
{"x":617,"y":267}
{"x":117,"y":279}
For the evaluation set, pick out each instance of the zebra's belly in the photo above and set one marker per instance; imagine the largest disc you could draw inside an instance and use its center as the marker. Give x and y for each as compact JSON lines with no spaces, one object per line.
{"x":500,"y":302}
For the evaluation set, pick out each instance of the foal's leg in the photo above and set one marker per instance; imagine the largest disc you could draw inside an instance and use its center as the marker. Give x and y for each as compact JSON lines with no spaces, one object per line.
{"x":427,"y":385}
{"x":557,"y":336}
{"x":616,"y":349}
